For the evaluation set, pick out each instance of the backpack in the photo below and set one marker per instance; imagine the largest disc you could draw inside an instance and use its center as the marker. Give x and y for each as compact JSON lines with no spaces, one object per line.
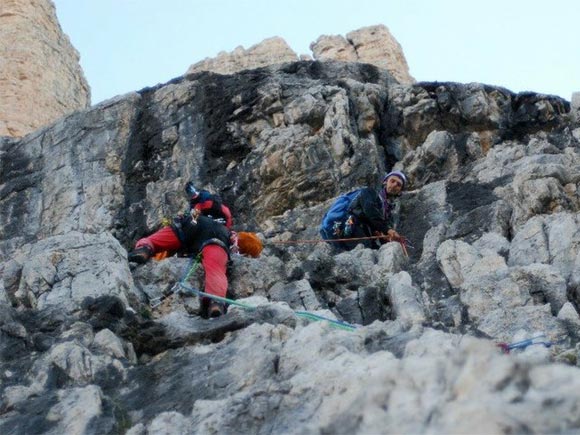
{"x":334,"y":223}
{"x":249,"y":244}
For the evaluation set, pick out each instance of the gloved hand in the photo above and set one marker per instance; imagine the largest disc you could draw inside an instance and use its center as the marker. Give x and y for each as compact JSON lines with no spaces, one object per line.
{"x":393,"y":236}
{"x":383,"y":238}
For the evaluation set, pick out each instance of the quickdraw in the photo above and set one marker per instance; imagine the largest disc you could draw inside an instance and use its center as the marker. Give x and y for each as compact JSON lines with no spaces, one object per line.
{"x":191,"y":268}
{"x":155,"y":302}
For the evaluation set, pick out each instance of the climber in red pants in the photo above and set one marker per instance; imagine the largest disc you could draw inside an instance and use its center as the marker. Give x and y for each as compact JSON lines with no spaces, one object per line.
{"x":192,"y":236}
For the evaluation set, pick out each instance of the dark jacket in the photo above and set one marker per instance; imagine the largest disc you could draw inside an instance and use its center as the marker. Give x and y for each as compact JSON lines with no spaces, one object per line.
{"x":195,"y":235}
{"x":372,"y":211}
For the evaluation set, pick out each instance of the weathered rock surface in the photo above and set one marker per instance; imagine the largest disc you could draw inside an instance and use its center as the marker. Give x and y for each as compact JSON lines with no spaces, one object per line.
{"x":575,"y":102}
{"x":373,"y":44}
{"x":270,"y":51}
{"x":491,"y":212}
{"x":62,"y":271}
{"x":40,"y":76}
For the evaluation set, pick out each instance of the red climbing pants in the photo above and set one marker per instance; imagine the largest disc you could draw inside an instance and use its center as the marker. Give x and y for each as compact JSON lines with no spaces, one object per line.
{"x":214,"y":260}
{"x":163,"y":240}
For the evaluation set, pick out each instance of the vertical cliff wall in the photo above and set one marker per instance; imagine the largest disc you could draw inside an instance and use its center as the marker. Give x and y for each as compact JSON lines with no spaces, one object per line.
{"x":40,"y":75}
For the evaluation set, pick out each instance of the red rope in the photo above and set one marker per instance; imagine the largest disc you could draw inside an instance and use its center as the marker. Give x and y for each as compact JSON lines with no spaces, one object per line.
{"x":354,"y":239}
{"x":297,"y":242}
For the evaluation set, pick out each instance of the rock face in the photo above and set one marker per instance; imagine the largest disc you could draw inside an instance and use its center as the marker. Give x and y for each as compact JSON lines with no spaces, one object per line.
{"x":268,"y":52}
{"x":40,"y":76}
{"x":491,"y":210}
{"x":374,"y":45}
{"x":576,"y":105}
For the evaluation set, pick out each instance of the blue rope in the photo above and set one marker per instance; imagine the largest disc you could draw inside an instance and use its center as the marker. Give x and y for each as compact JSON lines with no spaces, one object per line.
{"x":506,"y":347}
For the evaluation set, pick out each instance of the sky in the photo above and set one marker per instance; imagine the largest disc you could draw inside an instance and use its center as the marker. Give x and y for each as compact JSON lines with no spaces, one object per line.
{"x":522,"y":45}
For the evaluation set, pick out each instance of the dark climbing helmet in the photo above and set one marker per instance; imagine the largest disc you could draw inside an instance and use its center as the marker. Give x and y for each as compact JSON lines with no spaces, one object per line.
{"x":140,"y":255}
{"x":190,"y":189}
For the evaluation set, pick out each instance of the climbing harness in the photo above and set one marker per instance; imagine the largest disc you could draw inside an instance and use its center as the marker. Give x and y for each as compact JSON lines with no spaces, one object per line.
{"x":192,"y":267}
{"x":538,"y":339}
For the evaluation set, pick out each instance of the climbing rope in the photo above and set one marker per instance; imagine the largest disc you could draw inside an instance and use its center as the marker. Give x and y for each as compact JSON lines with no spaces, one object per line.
{"x":404,"y":242}
{"x":336,"y":323}
{"x":303,"y":314}
{"x":306,"y":241}
{"x":538,"y":339}
{"x":193,"y":265}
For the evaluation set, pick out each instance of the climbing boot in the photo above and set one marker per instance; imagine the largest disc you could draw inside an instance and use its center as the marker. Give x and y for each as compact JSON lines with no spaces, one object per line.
{"x":216,"y":309}
{"x":140,"y":255}
{"x":204,"y":308}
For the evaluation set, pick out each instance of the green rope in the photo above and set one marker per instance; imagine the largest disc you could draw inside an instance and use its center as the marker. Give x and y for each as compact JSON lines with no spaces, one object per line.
{"x":316,"y":318}
{"x":304,"y":314}
{"x":194,"y":264}
{"x":214,"y":297}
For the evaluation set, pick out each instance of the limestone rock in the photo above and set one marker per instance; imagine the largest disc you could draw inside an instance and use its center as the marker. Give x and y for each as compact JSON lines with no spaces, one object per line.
{"x":333,"y":47}
{"x":374,"y":45}
{"x":268,"y":52}
{"x":62,"y":271}
{"x":491,"y":212}
{"x":109,"y":343}
{"x":461,"y":262}
{"x":40,"y":75}
{"x":552,"y":239}
{"x":75,"y":409}
{"x":405,"y":299}
{"x":569,"y":313}
{"x":576,"y":106}
{"x":299,"y":295}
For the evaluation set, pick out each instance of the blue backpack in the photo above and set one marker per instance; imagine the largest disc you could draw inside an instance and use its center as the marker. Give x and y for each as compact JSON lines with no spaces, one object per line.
{"x":334,"y":224}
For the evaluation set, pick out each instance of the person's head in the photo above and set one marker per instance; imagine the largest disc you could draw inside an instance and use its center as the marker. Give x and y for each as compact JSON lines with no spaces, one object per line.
{"x":394,"y":182}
